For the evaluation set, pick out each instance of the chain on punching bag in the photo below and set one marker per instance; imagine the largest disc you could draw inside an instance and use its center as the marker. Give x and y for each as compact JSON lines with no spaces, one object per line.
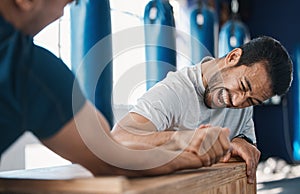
{"x":160,"y":41}
{"x":296,"y":105}
{"x":91,"y":23}
{"x":203,"y":30}
{"x":233,"y":33}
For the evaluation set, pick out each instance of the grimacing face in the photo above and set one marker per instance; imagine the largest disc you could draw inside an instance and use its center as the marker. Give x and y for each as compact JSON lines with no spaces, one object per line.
{"x":238,"y":87}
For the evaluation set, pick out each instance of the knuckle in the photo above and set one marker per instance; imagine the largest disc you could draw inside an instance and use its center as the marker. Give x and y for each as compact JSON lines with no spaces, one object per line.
{"x":226,"y":147}
{"x":206,"y":160}
{"x":220,"y":152}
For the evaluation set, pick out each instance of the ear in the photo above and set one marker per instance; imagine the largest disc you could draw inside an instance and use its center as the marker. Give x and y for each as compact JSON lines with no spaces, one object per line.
{"x":233,"y":57}
{"x":25,"y":5}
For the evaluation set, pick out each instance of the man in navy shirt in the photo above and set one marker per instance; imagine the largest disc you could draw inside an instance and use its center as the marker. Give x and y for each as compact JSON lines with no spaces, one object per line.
{"x":36,"y":92}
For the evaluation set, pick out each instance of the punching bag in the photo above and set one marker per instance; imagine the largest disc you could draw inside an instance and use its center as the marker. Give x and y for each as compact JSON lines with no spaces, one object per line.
{"x":203,"y":30}
{"x":296,"y":106}
{"x":160,"y":39}
{"x":90,"y":23}
{"x":233,"y":33}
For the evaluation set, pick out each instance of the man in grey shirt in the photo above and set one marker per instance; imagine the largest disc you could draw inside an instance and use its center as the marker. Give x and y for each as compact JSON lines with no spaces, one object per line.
{"x":214,"y":93}
{"x":177,"y":103}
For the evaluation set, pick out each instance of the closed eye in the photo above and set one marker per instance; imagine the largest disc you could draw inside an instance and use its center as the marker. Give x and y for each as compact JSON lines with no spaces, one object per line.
{"x":248,"y":83}
{"x":243,"y":86}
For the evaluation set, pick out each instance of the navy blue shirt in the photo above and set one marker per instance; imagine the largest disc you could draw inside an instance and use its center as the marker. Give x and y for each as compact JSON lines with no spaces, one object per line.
{"x":36,"y":88}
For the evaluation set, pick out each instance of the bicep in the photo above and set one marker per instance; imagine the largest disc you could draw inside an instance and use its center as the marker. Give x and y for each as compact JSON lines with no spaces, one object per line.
{"x":132,"y":124}
{"x":135,"y":121}
{"x":137,"y":132}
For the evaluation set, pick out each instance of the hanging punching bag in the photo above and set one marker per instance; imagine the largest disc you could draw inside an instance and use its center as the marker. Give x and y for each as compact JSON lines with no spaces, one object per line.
{"x":203,"y":30}
{"x":296,"y":105}
{"x":90,"y":23}
{"x":233,"y":33}
{"x":160,"y":41}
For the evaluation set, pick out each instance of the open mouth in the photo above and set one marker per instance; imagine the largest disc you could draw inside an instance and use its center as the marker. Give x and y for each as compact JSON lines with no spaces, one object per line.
{"x":219,"y":98}
{"x":222,"y":98}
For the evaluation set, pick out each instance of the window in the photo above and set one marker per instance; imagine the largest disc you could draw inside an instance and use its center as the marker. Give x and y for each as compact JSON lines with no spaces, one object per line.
{"x":56,"y":37}
{"x":131,"y":62}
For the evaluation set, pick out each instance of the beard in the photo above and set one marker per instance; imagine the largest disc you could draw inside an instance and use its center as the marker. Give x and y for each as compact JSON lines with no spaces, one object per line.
{"x":207,"y":98}
{"x":213,"y":92}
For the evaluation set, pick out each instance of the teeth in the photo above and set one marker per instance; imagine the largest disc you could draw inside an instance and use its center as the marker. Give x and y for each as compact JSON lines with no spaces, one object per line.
{"x":221,"y":96}
{"x":219,"y":101}
{"x":224,"y":97}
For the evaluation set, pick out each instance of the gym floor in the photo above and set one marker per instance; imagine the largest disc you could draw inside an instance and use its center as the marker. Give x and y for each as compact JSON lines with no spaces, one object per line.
{"x":275,"y":176}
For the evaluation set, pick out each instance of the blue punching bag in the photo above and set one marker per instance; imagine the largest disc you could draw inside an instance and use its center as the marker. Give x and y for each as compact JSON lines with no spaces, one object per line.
{"x":296,"y":105}
{"x":160,"y":38}
{"x":203,"y":30}
{"x":91,"y":23}
{"x":233,"y":33}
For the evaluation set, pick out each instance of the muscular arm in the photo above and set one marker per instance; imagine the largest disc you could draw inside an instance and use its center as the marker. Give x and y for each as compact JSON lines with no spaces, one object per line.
{"x":138,"y":129}
{"x":69,"y":144}
{"x":207,"y":143}
{"x":86,"y":136}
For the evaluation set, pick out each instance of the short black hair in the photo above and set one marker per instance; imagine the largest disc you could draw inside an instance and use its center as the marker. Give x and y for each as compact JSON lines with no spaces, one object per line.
{"x":276,"y":59}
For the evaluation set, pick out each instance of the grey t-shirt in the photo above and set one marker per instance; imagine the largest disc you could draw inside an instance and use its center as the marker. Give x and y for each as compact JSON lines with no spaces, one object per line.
{"x":176,"y":103}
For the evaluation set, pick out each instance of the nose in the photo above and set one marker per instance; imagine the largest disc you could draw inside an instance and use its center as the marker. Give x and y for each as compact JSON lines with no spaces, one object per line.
{"x":238,"y":99}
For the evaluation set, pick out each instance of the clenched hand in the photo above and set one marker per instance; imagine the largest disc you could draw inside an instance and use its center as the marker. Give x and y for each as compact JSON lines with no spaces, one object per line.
{"x":208,"y":144}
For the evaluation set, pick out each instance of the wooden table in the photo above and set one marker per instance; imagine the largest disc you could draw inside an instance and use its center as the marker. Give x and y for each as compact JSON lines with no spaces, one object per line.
{"x":222,"y":178}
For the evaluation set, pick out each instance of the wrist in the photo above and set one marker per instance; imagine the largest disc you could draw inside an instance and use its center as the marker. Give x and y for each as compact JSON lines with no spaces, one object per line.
{"x":242,"y":136}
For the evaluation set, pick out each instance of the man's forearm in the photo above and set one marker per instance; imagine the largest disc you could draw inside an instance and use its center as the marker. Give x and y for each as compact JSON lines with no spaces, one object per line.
{"x":139,"y":139}
{"x":137,"y":132}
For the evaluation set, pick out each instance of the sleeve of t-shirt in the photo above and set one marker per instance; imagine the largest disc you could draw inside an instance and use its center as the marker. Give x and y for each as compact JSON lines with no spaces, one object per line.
{"x":249,"y":130}
{"x":51,"y":95}
{"x":160,"y":105}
